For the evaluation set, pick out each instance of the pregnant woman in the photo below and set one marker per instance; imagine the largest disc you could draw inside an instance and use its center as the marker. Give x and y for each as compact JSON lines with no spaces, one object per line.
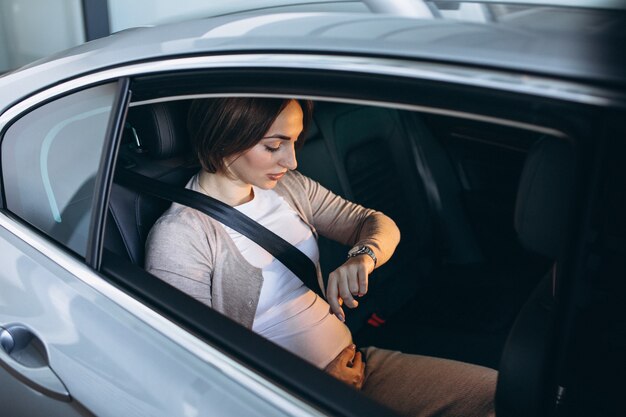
{"x":246,"y":147}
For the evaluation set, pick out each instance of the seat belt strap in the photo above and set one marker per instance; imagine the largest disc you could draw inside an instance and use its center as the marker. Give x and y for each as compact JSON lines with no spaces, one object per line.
{"x":290,"y":256}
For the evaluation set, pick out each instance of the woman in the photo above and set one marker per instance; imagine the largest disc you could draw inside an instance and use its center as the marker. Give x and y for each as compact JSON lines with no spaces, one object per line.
{"x":246,"y":147}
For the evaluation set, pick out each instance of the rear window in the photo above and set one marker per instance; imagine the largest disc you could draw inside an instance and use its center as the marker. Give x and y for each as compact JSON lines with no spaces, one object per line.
{"x":50,"y":158}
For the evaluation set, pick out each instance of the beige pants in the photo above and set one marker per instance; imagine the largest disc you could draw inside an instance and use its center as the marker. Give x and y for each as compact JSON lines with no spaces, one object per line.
{"x":415,"y":385}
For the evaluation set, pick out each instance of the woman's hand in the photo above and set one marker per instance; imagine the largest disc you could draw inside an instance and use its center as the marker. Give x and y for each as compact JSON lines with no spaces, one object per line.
{"x":348,"y":281}
{"x":348,"y":367}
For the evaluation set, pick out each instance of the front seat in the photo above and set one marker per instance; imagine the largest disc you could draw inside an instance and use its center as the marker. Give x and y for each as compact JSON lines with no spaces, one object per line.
{"x":542,"y":219}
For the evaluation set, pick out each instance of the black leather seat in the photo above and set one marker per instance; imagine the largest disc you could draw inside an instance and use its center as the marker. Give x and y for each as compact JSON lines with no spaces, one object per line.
{"x":155,"y":144}
{"x":542,"y":221}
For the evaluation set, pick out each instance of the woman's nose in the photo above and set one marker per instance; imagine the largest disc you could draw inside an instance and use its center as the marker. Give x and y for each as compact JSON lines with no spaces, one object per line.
{"x":289,"y":160}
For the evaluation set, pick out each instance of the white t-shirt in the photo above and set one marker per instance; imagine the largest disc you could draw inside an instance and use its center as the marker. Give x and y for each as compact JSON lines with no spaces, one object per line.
{"x":289,"y":313}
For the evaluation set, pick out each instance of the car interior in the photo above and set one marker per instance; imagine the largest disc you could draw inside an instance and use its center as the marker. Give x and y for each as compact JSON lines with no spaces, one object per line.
{"x":481,"y":208}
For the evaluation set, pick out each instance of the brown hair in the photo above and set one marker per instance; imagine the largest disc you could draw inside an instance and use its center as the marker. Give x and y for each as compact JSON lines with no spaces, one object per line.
{"x":222,"y":127}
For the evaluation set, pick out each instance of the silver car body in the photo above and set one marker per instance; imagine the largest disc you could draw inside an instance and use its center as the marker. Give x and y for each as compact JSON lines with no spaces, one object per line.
{"x":109,"y":354}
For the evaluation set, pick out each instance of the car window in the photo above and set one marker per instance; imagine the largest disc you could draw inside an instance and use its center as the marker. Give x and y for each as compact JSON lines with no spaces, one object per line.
{"x":460,"y":213}
{"x":450,"y":184}
{"x":448,"y":177}
{"x":49,"y":162}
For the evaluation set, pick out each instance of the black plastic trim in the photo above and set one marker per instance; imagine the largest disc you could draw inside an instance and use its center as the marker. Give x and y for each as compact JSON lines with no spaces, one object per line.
{"x":524,"y":108}
{"x":104,"y":178}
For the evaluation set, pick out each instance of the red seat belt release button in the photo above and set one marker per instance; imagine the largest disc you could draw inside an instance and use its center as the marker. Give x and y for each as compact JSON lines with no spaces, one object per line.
{"x":375,"y":320}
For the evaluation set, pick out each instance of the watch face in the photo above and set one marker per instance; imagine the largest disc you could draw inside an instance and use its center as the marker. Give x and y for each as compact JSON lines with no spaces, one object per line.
{"x":362,"y":250}
{"x":356,"y":251}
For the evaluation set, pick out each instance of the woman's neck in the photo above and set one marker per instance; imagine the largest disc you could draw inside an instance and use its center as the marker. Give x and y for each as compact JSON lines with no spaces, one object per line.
{"x":227,"y":190}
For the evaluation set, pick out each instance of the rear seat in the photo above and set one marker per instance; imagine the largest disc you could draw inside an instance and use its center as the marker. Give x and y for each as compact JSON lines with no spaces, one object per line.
{"x":163,"y":153}
{"x":387,"y":160}
{"x":363,"y":154}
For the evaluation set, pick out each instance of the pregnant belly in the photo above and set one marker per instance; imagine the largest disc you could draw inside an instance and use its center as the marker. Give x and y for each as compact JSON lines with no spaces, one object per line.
{"x":305,"y":327}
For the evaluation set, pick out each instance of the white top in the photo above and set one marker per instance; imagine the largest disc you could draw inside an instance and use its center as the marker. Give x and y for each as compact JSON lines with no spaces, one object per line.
{"x":288,"y":313}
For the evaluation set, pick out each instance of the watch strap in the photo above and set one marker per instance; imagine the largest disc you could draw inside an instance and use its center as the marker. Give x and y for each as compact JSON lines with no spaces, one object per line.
{"x":362,"y":250}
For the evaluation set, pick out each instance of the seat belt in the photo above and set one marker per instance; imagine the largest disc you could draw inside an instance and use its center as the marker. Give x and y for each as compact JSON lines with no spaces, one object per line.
{"x":290,"y":256}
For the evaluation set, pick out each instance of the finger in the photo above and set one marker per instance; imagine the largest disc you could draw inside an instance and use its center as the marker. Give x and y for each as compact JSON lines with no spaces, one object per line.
{"x":362,"y":379}
{"x":348,"y":355}
{"x":353,"y":284}
{"x":344,"y":290}
{"x":335,"y":308}
{"x":363,"y":281}
{"x":333,"y":299}
{"x":359,"y":368}
{"x":341,"y":316}
{"x":345,"y":293}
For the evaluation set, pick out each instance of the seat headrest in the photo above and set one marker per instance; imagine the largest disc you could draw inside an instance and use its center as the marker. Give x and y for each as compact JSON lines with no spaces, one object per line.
{"x":161,"y":128}
{"x":544,"y":197}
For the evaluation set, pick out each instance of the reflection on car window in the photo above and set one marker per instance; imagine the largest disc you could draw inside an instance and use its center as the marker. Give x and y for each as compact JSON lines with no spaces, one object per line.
{"x":49,"y":161}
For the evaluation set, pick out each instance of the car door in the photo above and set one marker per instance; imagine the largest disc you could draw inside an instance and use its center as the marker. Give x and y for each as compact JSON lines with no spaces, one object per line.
{"x":490,"y":159}
{"x":73,"y":344}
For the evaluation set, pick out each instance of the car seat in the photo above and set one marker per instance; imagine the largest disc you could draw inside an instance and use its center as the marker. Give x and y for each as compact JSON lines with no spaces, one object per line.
{"x":542,"y":221}
{"x":387,"y":160}
{"x":155,"y":144}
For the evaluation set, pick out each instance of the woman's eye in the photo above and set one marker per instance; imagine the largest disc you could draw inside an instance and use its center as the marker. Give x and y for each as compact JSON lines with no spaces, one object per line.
{"x":272,"y":149}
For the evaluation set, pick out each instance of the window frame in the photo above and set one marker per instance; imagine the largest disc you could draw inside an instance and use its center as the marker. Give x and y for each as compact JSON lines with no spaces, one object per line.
{"x":104,"y":176}
{"x":314,"y":83}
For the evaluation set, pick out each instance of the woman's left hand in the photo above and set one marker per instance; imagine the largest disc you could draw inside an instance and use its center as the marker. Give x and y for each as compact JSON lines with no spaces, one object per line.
{"x":348,"y":281}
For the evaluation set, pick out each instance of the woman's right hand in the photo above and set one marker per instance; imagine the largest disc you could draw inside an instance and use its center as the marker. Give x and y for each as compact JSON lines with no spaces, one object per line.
{"x":348,"y":367}
{"x":347,"y":282}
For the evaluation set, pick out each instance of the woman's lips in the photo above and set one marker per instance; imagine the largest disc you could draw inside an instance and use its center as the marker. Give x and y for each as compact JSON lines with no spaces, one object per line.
{"x":275,"y":177}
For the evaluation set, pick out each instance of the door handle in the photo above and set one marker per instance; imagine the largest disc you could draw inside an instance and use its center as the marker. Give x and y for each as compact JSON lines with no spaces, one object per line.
{"x":24,"y":356}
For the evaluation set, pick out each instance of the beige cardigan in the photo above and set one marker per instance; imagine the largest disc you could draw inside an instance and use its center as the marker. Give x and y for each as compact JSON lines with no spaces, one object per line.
{"x":194,"y":253}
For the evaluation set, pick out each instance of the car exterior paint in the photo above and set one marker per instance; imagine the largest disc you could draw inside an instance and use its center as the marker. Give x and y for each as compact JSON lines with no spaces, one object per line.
{"x":41,"y":283}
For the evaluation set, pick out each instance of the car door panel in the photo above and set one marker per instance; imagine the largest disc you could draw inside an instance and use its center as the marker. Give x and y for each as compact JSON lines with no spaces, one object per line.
{"x":111,"y":362}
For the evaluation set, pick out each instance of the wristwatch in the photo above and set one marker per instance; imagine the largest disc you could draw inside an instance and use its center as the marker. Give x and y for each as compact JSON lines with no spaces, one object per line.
{"x":362,"y":250}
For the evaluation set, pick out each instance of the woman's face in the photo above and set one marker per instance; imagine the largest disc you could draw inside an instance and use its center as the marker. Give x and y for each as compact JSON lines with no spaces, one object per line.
{"x":267,"y":161}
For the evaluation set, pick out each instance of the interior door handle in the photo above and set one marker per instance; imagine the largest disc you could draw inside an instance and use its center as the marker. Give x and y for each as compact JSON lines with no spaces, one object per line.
{"x":24,"y":356}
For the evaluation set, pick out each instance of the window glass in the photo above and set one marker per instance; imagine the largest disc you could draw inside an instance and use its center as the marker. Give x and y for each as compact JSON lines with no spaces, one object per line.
{"x":49,"y":162}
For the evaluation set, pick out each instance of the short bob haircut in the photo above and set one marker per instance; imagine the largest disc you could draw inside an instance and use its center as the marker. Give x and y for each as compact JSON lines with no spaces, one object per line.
{"x":223,"y":127}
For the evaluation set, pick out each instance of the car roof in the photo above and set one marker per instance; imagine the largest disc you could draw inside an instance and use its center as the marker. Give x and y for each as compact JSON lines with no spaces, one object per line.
{"x":529,"y":44}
